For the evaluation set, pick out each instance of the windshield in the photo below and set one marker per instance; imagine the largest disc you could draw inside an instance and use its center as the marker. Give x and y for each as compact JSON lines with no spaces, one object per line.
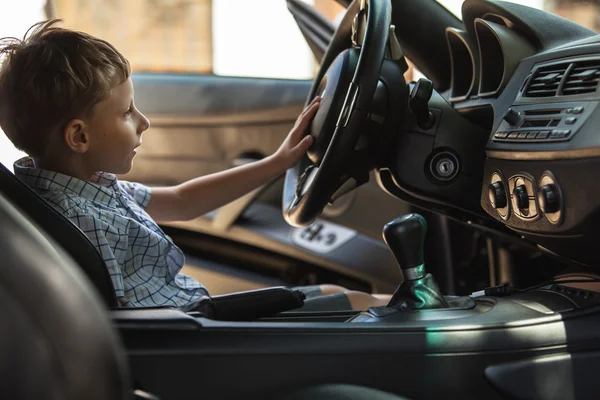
{"x":583,"y":12}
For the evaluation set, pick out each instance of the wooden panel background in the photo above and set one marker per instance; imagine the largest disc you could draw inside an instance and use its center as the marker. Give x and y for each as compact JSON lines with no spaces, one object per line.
{"x":155,"y":35}
{"x":586,"y":13}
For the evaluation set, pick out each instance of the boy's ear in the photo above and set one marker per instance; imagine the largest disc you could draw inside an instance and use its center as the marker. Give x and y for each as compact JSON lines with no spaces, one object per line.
{"x":76,"y":137}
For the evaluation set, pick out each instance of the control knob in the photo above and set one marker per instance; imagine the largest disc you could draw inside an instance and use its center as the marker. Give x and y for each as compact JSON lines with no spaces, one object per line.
{"x":497,"y":195}
{"x":512,"y":117}
{"x":521,"y":197}
{"x":548,"y":198}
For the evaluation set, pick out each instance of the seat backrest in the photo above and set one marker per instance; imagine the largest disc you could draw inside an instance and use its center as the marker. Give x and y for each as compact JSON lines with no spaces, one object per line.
{"x":63,"y":231}
{"x":56,"y":339}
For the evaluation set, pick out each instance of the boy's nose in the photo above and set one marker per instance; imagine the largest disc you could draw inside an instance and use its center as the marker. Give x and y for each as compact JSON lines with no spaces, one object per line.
{"x":144,"y":124}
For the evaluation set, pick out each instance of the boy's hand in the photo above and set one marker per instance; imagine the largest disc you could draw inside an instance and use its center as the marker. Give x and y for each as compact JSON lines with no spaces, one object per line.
{"x":296,"y":143}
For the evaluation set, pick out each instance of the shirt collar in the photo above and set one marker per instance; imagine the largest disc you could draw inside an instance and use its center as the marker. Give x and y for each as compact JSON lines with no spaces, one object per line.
{"x":101,"y":188}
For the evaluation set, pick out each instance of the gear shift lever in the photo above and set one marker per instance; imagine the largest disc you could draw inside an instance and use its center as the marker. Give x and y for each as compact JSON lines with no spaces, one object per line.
{"x":405,"y":236}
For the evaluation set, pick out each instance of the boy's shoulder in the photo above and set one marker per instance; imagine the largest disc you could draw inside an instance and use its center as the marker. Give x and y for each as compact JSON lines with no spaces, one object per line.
{"x":94,"y":202}
{"x":83,"y":211}
{"x":69,"y":204}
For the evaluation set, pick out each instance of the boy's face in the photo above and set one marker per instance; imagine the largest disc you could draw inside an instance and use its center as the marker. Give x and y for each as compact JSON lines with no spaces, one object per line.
{"x":115,"y":130}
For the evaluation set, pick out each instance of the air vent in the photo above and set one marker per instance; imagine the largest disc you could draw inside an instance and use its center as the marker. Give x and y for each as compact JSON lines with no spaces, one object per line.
{"x":546,"y":80}
{"x":583,"y":78}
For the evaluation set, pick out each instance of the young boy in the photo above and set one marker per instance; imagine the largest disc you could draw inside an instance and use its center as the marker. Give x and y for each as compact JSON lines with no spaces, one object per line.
{"x":66,"y":98}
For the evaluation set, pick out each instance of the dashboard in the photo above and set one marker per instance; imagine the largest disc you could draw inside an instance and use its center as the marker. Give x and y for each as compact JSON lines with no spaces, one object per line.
{"x":527,"y":146}
{"x":542,"y":155}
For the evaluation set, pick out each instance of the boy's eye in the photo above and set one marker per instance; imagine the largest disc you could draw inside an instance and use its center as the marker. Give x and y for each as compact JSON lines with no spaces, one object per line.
{"x":129,"y":110}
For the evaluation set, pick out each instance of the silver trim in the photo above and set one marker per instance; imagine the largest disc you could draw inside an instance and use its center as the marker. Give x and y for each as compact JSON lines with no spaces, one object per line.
{"x":523,"y":178}
{"x":463,"y":38}
{"x":412,"y":274}
{"x":348,"y":107}
{"x":545,"y":155}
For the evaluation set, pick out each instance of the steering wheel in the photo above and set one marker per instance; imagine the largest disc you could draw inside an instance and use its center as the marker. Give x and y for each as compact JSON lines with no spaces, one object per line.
{"x":346,"y":81}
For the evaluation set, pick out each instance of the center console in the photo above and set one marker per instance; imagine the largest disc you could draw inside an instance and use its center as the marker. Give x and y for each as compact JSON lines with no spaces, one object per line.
{"x":542,"y":156}
{"x":489,"y":340}
{"x":499,"y":344}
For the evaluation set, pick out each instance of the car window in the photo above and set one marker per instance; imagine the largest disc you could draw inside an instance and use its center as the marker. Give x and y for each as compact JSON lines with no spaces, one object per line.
{"x":584,"y":12}
{"x":222,"y":37}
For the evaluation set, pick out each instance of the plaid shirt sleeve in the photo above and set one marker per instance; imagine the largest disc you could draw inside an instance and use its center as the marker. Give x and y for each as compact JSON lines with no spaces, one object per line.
{"x":111,"y":244}
{"x":140,"y":193}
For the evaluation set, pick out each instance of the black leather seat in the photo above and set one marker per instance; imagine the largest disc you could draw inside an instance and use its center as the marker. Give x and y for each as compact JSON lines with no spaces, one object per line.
{"x":63,"y":231}
{"x":56,"y":340}
{"x":339,"y":392}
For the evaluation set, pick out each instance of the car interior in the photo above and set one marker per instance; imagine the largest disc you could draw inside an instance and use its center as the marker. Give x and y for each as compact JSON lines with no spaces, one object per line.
{"x":468,"y":194}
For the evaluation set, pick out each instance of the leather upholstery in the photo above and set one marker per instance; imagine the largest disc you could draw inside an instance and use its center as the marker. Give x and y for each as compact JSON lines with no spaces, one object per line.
{"x":64,"y":232}
{"x":339,"y":392}
{"x":56,"y":340}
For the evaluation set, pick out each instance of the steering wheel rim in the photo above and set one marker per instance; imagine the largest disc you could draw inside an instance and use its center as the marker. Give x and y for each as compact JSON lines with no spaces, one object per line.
{"x":306,"y":192}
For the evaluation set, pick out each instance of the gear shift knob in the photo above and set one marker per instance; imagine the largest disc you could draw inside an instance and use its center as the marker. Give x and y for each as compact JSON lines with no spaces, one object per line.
{"x":405,"y":236}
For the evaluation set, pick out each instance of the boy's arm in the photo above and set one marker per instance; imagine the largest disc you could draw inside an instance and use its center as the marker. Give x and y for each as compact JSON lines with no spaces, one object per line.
{"x":198,"y":196}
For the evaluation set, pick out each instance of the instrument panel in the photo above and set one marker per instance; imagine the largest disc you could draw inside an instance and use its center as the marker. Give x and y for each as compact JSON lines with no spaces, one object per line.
{"x":543,"y":152}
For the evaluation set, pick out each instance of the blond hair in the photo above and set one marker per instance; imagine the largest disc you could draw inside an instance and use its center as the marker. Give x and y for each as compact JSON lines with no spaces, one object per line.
{"x":50,"y":77}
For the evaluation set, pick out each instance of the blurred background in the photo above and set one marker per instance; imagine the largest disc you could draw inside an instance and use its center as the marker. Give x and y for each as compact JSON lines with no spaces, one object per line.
{"x":211,"y":36}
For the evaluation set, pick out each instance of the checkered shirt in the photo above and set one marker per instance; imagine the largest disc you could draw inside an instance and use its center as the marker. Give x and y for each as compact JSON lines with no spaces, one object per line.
{"x":143,"y":262}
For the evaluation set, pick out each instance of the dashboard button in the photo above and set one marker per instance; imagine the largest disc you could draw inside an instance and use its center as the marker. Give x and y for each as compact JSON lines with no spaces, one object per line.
{"x":513,"y":135}
{"x":521,"y":197}
{"x":512,"y":117}
{"x":500,"y":135}
{"x":522,"y":135}
{"x":549,"y":199}
{"x":559,"y":134}
{"x":532,"y":135}
{"x":497,"y":189}
{"x":497,"y":195}
{"x":570,"y":120}
{"x":522,"y":189}
{"x":543,"y":134}
{"x":577,"y":110}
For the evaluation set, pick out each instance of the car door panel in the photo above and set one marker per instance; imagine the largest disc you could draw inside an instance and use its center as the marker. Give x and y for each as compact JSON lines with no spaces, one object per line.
{"x":202,"y":123}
